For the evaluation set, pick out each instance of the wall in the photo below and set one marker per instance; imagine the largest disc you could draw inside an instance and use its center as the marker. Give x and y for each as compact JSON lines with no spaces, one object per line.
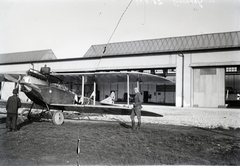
{"x":179,"y":78}
{"x":196,"y":60}
{"x":6,"y":91}
{"x":110,"y":63}
{"x":224,"y":58}
{"x":209,"y":87}
{"x":191,"y":61}
{"x":160,"y":97}
{"x":211,"y":98}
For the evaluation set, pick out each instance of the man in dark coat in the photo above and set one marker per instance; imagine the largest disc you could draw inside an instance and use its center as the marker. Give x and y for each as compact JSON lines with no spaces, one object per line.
{"x":137,"y":106}
{"x":13,"y":103}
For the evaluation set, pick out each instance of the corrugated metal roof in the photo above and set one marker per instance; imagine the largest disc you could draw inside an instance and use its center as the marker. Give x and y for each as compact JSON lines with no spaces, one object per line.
{"x":27,"y":56}
{"x":185,"y":43}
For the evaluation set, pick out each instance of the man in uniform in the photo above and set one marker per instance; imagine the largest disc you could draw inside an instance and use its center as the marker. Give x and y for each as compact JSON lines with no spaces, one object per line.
{"x":13,"y":103}
{"x":137,"y":106}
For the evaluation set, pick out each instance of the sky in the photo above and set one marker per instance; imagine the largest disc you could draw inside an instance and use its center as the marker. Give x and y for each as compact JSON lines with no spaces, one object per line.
{"x":70,"y":27}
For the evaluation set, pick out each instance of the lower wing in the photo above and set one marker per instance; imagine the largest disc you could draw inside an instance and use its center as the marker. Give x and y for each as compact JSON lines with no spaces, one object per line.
{"x":99,"y":109}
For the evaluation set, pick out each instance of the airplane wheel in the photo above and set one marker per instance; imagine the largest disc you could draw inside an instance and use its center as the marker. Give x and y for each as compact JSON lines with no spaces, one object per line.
{"x":24,"y":114}
{"x":58,"y":118}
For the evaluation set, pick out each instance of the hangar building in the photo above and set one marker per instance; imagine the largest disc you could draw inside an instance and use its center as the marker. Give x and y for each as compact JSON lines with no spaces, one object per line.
{"x":205,"y":68}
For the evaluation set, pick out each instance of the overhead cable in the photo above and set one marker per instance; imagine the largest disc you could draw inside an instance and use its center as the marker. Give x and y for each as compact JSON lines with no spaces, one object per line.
{"x":117,"y":26}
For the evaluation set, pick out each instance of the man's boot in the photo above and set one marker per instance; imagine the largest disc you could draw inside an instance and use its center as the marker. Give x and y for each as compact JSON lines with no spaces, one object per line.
{"x":133,"y":125}
{"x":138,"y":126}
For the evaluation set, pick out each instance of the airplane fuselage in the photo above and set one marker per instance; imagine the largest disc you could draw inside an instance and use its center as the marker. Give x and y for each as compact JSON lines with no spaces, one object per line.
{"x":42,"y":92}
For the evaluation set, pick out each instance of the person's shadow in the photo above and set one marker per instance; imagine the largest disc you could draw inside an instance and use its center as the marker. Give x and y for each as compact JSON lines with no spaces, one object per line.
{"x":3,"y":120}
{"x":123,"y":124}
{"x":25,"y":123}
{"x":19,"y":126}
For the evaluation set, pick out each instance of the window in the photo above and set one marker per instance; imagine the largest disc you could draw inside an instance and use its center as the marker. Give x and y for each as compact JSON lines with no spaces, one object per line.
{"x":208,"y":71}
{"x":231,"y":69}
{"x":146,"y":71}
{"x":171,"y":70}
{"x":165,"y":88}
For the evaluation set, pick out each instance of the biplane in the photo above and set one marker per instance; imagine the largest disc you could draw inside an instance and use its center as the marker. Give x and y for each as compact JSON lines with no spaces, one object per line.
{"x":47,"y":90}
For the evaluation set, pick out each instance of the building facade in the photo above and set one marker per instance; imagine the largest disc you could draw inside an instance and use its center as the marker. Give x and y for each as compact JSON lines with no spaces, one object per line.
{"x":205,"y":68}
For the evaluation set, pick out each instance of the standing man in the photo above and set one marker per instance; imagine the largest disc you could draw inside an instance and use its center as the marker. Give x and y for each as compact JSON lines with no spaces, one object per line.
{"x":13,"y":103}
{"x":137,"y":106}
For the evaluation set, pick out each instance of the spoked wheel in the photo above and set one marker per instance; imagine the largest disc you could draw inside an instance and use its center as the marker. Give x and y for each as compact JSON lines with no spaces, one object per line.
{"x":24,"y":115}
{"x":58,"y":118}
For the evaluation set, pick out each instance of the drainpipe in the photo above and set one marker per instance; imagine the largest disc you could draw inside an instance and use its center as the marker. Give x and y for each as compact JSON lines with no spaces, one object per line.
{"x":182,"y":55}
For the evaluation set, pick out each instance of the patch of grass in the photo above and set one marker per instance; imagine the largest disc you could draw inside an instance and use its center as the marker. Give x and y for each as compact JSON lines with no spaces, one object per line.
{"x":42,"y":143}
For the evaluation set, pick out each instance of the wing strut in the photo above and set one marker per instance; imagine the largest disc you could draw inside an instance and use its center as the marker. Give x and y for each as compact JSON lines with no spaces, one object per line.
{"x":82,"y":89}
{"x":138,"y":81}
{"x":128,"y":90}
{"x":94,"y":91}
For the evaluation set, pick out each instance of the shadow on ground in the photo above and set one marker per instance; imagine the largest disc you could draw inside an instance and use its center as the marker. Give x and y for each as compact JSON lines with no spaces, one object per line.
{"x":123,"y":124}
{"x":3,"y":120}
{"x":25,"y":123}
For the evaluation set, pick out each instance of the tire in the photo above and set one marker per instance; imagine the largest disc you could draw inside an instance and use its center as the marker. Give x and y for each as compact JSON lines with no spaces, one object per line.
{"x":58,"y":118}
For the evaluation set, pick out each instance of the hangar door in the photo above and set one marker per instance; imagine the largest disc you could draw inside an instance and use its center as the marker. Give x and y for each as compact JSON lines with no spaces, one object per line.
{"x":208,"y":87}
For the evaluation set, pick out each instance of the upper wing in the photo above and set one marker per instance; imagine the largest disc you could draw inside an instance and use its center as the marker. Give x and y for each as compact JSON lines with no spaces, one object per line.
{"x":111,"y":77}
{"x":98,"y":77}
{"x":11,"y":77}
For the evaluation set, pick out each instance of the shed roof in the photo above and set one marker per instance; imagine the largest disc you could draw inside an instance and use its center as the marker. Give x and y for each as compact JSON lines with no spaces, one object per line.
{"x":27,"y":56}
{"x":172,"y":44}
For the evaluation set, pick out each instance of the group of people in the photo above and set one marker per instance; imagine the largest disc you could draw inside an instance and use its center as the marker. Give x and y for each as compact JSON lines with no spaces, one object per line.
{"x":14,"y":102}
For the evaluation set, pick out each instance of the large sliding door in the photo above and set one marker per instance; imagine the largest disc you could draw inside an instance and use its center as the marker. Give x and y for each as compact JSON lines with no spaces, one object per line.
{"x":209,"y":87}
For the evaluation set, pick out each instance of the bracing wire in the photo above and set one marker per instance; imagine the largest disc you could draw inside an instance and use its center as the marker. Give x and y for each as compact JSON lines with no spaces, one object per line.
{"x":105,"y":48}
{"x":117,"y":26}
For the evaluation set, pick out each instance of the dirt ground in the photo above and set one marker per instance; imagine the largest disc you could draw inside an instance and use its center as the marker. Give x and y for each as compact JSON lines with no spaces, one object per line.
{"x":115,"y":143}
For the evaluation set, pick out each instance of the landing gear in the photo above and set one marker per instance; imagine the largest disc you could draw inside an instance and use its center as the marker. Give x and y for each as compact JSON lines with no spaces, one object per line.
{"x":36,"y":115}
{"x":58,"y":118}
{"x":25,"y":115}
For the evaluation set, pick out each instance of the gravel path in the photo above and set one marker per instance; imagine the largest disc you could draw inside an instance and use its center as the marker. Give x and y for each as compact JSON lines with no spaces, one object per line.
{"x":199,"y":117}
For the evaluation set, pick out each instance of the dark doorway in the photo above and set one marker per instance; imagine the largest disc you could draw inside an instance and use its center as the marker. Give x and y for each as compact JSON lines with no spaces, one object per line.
{"x":145,"y":96}
{"x":232,"y":86}
{"x":98,"y":95}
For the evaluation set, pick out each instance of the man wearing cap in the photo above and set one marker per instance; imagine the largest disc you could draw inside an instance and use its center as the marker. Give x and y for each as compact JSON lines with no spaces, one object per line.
{"x":13,"y":103}
{"x":137,"y":106}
